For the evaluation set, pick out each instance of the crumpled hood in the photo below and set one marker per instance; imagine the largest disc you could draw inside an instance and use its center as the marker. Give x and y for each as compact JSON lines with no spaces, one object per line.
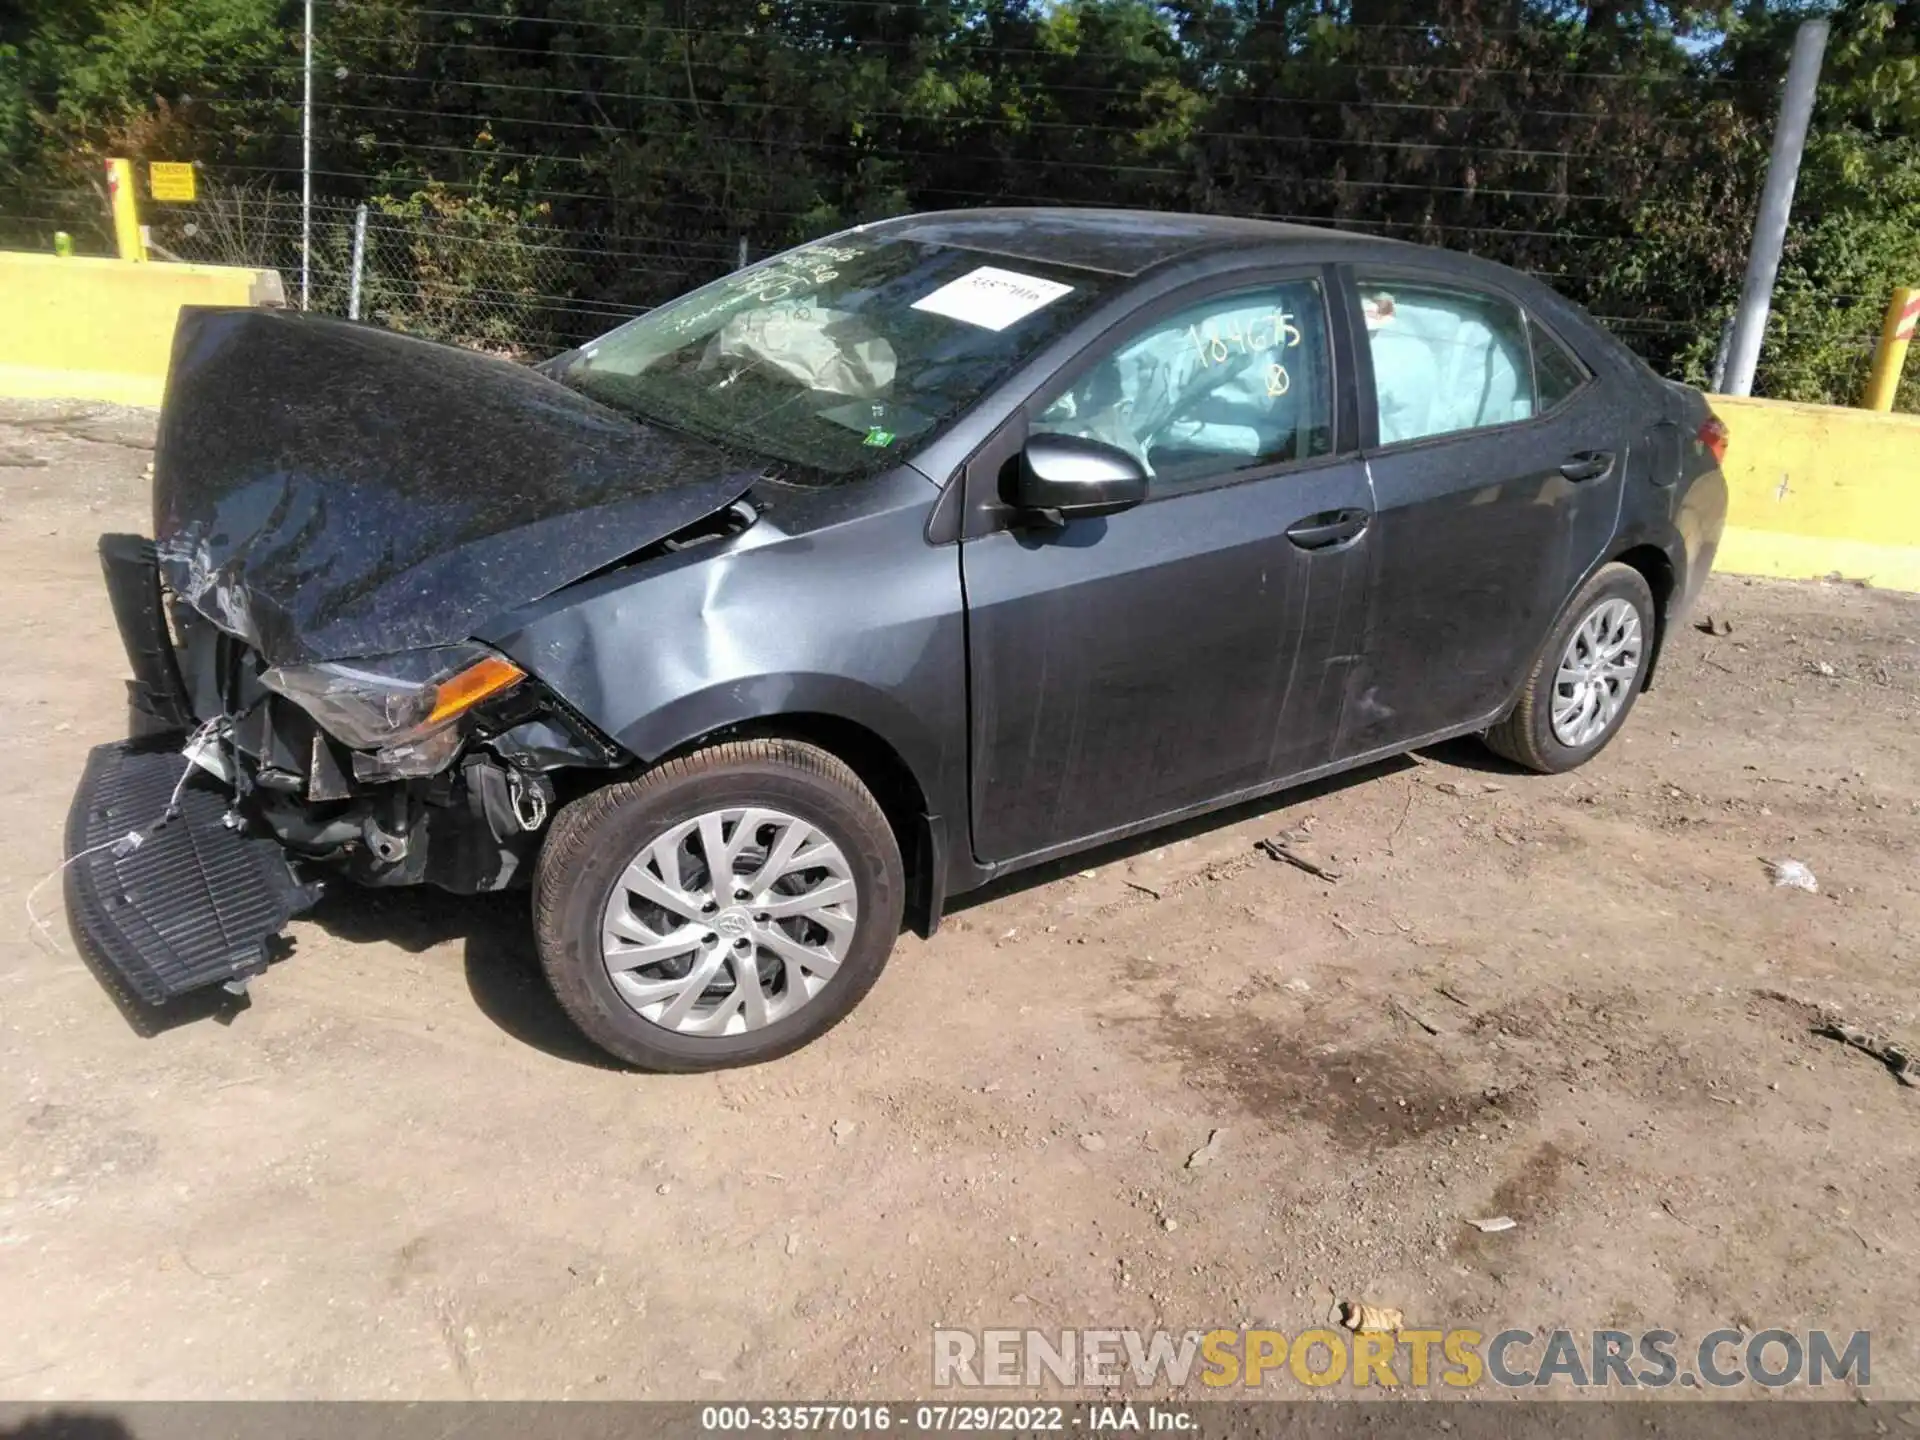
{"x":327,"y":490}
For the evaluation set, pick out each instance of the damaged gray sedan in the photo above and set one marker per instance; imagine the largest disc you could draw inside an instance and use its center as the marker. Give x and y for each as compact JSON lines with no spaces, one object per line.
{"x":758,"y":627}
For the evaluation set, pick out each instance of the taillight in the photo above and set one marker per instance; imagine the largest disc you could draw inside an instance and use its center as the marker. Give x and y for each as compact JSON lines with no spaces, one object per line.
{"x":1713,"y":435}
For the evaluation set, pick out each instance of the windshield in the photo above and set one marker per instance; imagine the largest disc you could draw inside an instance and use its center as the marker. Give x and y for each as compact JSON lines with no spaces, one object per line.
{"x":834,"y":356}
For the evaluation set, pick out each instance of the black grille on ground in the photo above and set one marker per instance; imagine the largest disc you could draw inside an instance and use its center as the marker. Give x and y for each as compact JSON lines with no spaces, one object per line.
{"x":196,"y":904}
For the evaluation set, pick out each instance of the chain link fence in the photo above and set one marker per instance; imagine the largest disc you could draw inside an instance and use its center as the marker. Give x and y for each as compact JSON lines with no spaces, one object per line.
{"x":29,"y":220}
{"x":440,"y":268}
{"x":445,"y":268}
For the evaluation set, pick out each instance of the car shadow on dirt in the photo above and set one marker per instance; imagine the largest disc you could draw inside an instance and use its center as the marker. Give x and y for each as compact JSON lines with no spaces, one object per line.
{"x":1120,"y":850}
{"x":1468,"y":753}
{"x":502,"y":968}
{"x":148,"y":1021}
{"x":73,"y":1424}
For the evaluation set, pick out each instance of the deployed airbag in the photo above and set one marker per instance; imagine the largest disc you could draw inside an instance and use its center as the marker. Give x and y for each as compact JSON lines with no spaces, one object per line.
{"x":827,"y":350}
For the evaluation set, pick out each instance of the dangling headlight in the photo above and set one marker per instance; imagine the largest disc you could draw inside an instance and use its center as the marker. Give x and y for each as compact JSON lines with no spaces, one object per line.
{"x":395,"y":700}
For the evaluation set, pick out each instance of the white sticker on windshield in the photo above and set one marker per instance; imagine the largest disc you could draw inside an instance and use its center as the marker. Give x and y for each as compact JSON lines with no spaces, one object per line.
{"x":992,"y":298}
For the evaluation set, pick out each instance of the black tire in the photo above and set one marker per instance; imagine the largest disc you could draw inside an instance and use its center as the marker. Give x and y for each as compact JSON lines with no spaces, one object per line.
{"x":1526,"y":736}
{"x":594,"y":838}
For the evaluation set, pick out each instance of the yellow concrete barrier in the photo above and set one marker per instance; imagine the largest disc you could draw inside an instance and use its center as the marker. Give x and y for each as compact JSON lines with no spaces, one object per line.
{"x":86,"y":329}
{"x":1818,"y":490}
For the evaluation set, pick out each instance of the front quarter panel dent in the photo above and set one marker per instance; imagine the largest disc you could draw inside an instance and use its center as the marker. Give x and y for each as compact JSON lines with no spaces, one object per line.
{"x":859,"y":620}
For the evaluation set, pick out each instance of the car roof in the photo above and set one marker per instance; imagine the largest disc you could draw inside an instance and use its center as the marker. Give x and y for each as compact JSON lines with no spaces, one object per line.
{"x":1120,"y":242}
{"x":1128,"y":243}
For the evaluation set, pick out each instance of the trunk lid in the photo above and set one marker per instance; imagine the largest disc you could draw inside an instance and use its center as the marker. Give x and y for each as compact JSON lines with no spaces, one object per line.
{"x":327,"y":490}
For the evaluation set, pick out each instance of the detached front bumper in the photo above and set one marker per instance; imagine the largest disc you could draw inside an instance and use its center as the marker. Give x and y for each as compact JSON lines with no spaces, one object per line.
{"x":168,"y":907}
{"x":196,"y":902}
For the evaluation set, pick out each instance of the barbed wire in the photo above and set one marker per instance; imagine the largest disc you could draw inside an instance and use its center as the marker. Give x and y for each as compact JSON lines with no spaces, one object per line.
{"x":989,"y":122}
{"x":1538,"y":72}
{"x":1071,"y":163}
{"x":293,"y":68}
{"x":1439,"y":25}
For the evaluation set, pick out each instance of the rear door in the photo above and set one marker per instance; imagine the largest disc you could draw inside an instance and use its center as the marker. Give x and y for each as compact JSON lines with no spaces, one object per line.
{"x":1496,"y":462}
{"x":1130,"y":666}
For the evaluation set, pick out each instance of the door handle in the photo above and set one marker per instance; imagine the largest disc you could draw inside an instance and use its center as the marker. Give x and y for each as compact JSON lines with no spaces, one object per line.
{"x":1328,"y":528}
{"x":1588,"y":465}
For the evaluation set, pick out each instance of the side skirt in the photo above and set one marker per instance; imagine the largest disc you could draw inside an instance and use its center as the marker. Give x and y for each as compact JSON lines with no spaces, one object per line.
{"x":974,"y":875}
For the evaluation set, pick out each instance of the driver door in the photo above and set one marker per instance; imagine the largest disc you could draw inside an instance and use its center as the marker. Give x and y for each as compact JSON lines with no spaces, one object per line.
{"x":1132,"y":666}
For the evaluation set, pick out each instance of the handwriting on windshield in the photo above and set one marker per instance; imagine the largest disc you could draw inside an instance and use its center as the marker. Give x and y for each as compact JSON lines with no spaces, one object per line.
{"x":797,"y":272}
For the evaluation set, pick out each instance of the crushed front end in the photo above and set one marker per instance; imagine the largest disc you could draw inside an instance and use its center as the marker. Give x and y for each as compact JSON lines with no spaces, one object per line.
{"x":244,"y":787}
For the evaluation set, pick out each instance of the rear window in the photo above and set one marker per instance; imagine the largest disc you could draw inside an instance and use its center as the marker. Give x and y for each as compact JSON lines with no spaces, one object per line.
{"x":1556,"y":373}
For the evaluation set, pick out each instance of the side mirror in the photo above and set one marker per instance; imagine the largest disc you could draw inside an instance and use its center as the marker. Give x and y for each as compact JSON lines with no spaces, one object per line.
{"x":1073,"y":477}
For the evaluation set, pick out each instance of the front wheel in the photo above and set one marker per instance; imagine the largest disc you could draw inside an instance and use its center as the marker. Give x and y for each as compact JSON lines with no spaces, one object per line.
{"x":723,"y":909}
{"x":1586,"y":678}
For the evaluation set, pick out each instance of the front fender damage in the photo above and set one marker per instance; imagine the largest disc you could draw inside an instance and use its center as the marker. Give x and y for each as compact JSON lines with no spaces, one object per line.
{"x":475,"y":826}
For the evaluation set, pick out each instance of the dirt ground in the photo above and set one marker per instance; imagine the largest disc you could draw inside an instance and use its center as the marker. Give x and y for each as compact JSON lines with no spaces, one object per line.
{"x":1579,"y":1002}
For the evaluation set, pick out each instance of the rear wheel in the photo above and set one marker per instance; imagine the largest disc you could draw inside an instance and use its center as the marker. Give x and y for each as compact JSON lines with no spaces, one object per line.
{"x":725,"y":908}
{"x":1587,"y":677}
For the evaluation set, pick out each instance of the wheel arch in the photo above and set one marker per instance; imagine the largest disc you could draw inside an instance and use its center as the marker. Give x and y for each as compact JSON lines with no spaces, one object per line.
{"x":1656,"y":567}
{"x":898,"y":765}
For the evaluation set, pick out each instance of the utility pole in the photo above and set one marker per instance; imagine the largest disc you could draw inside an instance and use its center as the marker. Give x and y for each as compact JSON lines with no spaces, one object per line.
{"x":306,"y":165}
{"x":1718,"y":384}
{"x":1776,"y":203}
{"x":359,"y":260}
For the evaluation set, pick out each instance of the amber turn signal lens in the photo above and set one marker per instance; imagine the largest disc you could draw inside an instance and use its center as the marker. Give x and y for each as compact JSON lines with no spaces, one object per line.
{"x":477,"y":682}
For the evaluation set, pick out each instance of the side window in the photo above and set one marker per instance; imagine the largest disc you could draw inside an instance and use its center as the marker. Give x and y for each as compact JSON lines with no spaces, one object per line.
{"x":1233,"y":382}
{"x":1444,"y":359}
{"x":1556,"y":373}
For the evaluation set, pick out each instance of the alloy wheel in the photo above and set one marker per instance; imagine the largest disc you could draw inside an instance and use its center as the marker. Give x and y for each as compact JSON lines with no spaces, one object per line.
{"x":729,"y":922}
{"x":1597,"y":673}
